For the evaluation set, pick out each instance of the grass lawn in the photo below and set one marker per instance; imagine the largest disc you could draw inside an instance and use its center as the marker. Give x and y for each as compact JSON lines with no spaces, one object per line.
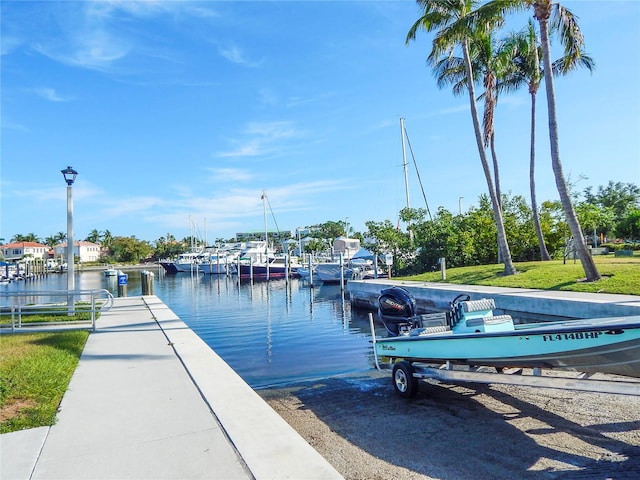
{"x":35,"y":370}
{"x":619,"y":275}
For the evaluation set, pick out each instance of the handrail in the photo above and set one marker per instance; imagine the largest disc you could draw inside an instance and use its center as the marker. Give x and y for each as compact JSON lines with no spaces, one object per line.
{"x":75,"y":303}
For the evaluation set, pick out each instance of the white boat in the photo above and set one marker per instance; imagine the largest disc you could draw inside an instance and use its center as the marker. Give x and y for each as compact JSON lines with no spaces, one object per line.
{"x":110,"y":271}
{"x":186,"y":262}
{"x":256,"y":251}
{"x":470,"y":334}
{"x":359,"y":269}
{"x":330,"y":272}
{"x":219,"y":264}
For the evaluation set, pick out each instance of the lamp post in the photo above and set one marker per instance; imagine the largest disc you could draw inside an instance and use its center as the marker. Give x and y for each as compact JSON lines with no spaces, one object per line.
{"x":69,"y":175}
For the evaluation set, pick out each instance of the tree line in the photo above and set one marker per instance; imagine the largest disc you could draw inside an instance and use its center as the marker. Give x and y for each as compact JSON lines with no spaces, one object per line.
{"x":611,"y":215}
{"x":607,"y":212}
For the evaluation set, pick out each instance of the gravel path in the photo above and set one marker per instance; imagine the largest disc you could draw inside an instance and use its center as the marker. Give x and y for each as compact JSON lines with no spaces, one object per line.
{"x":470,"y":431}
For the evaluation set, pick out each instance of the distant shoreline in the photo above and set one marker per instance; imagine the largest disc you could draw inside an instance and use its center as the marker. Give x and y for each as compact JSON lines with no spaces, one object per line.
{"x":137,"y":266}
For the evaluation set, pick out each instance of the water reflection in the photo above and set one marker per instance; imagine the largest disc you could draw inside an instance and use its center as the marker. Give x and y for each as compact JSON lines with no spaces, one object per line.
{"x":269,"y":332}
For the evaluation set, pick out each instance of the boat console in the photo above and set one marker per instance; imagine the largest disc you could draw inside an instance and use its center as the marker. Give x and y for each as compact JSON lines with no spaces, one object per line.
{"x":397,"y":310}
{"x":476,"y":316}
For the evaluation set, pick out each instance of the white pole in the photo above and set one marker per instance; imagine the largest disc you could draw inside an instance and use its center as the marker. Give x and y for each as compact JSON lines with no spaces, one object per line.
{"x":266,"y":234}
{"x":404,"y":163}
{"x":406,"y":174}
{"x":373,"y":339}
{"x":70,"y":270}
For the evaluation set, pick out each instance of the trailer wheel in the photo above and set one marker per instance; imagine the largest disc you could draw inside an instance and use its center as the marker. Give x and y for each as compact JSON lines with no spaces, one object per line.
{"x":404,"y":383}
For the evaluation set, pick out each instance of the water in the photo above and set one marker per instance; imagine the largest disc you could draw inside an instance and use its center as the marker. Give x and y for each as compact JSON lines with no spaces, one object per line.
{"x":270,"y":333}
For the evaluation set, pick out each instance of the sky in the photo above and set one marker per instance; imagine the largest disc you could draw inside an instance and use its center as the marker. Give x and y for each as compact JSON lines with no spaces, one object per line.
{"x":178,"y":115}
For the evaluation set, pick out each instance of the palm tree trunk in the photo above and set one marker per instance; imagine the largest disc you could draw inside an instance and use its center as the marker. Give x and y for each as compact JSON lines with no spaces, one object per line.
{"x":503,"y":246}
{"x":496,"y":170}
{"x":544,"y":253}
{"x":496,"y":179}
{"x":588,"y":264}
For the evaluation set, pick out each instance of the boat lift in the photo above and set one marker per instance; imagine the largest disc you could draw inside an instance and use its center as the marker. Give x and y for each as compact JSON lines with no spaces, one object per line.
{"x":406,"y":376}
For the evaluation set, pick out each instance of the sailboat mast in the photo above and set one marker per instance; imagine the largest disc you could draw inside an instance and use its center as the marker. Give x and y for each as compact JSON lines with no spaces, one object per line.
{"x":406,"y":174}
{"x":404,"y":162}
{"x":266,"y":235}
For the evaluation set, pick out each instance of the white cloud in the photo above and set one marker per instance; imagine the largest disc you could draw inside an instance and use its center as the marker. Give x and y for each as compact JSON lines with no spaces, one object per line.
{"x":133,"y":205}
{"x":94,"y":36}
{"x":252,"y":148}
{"x":235,"y":55}
{"x":229,"y":175}
{"x":50,"y":94}
{"x":263,"y":138}
{"x":456,"y":109}
{"x":272,"y":130}
{"x":89,"y":47}
{"x":9,"y":43}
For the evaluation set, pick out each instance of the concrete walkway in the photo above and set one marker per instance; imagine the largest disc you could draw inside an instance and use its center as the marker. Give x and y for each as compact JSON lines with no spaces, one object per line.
{"x":150,"y":400}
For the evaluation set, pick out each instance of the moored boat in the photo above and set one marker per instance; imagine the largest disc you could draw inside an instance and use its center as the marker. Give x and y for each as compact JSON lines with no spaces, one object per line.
{"x":277,"y":267}
{"x":110,"y":271}
{"x":219,"y":264}
{"x":188,"y":262}
{"x":331,"y":272}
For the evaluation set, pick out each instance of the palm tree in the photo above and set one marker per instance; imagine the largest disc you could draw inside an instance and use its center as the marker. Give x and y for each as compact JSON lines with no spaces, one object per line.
{"x":59,"y":238}
{"x":93,"y":237}
{"x":527,"y":70}
{"x":565,"y":23}
{"x":51,"y":241}
{"x":526,"y":60}
{"x":29,"y":237}
{"x":493,"y":61}
{"x":107,"y":238}
{"x":449,"y":19}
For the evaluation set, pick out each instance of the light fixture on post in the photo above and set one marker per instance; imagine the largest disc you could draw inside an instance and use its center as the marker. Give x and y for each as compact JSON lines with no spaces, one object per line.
{"x":70,"y":175}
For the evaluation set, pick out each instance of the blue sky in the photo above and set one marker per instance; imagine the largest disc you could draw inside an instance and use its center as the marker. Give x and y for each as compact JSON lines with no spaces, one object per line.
{"x":180,"y":112}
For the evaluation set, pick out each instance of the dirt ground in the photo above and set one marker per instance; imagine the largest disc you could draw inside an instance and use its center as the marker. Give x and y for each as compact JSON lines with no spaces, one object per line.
{"x":471,"y":431}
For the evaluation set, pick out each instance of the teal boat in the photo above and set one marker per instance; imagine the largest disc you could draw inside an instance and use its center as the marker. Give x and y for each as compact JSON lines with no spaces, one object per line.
{"x":470,"y":334}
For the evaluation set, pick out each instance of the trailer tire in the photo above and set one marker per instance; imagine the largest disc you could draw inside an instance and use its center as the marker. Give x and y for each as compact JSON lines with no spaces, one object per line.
{"x":404,"y":383}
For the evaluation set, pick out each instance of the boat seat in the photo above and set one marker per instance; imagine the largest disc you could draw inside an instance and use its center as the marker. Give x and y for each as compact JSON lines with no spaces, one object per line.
{"x":477,"y":305}
{"x":464,"y":311}
{"x":430,"y":330}
{"x":495,"y":323}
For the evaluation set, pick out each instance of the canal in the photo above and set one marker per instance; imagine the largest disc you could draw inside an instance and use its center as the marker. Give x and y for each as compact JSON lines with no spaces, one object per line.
{"x":270,"y":333}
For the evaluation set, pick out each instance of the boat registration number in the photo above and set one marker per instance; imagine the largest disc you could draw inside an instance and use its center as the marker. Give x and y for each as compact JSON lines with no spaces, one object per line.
{"x":571,"y":336}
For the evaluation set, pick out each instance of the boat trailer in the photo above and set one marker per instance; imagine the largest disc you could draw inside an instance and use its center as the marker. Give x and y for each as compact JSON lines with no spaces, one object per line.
{"x":406,"y":375}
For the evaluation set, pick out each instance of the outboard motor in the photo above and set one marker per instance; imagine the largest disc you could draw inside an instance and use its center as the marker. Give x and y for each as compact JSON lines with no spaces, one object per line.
{"x":396,"y":309}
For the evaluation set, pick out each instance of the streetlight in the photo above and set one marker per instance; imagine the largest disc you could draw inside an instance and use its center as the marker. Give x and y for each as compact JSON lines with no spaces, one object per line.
{"x":69,"y":175}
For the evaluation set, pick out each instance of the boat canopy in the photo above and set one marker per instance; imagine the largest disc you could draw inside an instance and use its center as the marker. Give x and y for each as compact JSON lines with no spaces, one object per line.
{"x":364,"y":254}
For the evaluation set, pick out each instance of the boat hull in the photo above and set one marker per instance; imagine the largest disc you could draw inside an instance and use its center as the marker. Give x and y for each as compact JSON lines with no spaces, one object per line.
{"x":169,"y":267}
{"x":216,"y":268}
{"x":607,"y":345}
{"x":260,"y":272}
{"x":331,"y":272}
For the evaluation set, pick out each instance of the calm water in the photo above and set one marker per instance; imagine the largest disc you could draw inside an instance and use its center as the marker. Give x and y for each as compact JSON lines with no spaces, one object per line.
{"x":270,"y":333}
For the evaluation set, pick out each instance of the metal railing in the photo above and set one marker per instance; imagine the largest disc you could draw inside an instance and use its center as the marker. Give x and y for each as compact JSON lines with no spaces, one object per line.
{"x":52,"y":310}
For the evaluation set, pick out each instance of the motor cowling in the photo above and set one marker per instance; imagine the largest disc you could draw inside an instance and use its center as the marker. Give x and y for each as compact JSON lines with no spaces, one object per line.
{"x":396,"y":307}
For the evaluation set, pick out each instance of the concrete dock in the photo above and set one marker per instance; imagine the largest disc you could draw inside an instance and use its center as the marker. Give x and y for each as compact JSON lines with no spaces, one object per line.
{"x":150,"y":400}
